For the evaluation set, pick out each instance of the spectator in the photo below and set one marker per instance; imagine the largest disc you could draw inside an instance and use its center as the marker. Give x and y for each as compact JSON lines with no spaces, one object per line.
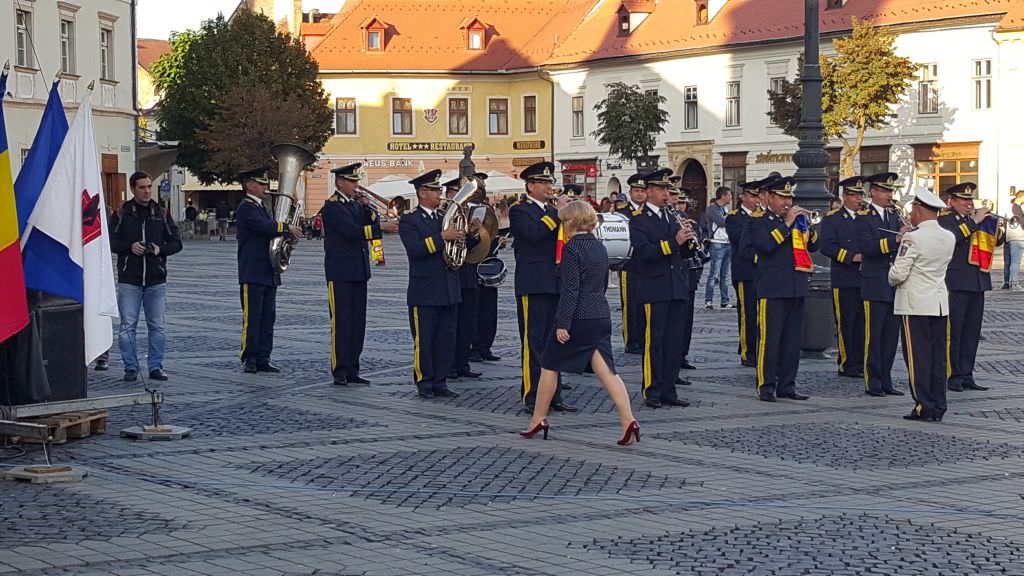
{"x":142,"y":235}
{"x":223,"y":218}
{"x":190,"y":212}
{"x":1013,"y":249}
{"x":721,"y":250}
{"x":606,"y":205}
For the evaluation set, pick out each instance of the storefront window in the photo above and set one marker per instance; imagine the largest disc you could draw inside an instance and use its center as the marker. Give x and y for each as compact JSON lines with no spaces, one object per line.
{"x":939,"y":175}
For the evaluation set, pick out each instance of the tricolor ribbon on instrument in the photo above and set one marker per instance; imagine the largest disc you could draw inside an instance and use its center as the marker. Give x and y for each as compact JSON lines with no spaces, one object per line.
{"x":800,"y":233}
{"x":983,"y":243}
{"x":559,"y":244}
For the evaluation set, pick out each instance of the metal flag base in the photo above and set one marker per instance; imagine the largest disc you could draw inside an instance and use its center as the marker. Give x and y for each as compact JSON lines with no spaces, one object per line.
{"x":156,"y":430}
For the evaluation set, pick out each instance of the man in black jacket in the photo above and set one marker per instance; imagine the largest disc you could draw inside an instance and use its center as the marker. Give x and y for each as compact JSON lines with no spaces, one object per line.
{"x":142,"y":235}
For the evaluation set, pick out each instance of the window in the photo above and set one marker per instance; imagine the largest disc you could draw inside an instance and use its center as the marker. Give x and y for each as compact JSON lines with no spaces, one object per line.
{"x":690,"y":108}
{"x":106,"y":54}
{"x":67,"y":46}
{"x":577,"y":116}
{"x":775,"y":85}
{"x":702,"y":13}
{"x":928,"y":89}
{"x":623,"y":22}
{"x":401,"y":116}
{"x":497,"y":116}
{"x":834,"y":4}
{"x":732,"y":104}
{"x":476,"y":39}
{"x":344,"y":116}
{"x":458,"y":116}
{"x":937,"y":175}
{"x":23,"y":31}
{"x":982,"y":84}
{"x":529,"y":114}
{"x":373,"y":40}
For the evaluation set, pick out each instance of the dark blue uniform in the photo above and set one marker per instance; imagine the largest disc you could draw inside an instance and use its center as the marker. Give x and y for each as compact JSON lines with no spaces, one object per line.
{"x":633,"y":326}
{"x":257,"y":279}
{"x":433,"y":296}
{"x":662,"y":287}
{"x":465,"y":329}
{"x":486,"y":313}
{"x":839,"y":243}
{"x":348,"y":227}
{"x":535,"y":230}
{"x":781,"y":290}
{"x":881,"y":329}
{"x":743,"y":275}
{"x":694,"y":269}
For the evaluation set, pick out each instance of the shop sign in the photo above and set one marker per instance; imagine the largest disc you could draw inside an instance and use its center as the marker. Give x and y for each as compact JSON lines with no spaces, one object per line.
{"x":528,"y":145}
{"x":427,"y":146}
{"x":770,"y":158}
{"x":388,"y":163}
{"x":590,"y":169}
{"x":527,"y":161}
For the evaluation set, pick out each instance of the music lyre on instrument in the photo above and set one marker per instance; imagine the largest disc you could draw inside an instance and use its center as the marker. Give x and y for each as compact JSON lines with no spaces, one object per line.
{"x":283,"y":204}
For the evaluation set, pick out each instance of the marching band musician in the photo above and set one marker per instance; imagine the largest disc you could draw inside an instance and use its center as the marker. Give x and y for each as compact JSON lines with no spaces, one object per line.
{"x":470,"y":290}
{"x":782,"y":239}
{"x":258,"y":281}
{"x":632,"y":311}
{"x":919,"y":275}
{"x":433,"y":294}
{"x":839,"y":243}
{"x":967,"y":280}
{"x":680,"y":200}
{"x":659,"y":248}
{"x":879,"y":231}
{"x":533,"y":224}
{"x":349,"y":225}
{"x":487,"y":306}
{"x":743,"y":269}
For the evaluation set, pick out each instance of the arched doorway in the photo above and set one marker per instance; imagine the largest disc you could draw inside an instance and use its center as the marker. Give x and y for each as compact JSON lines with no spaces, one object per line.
{"x":695,"y":179}
{"x":614,"y":186}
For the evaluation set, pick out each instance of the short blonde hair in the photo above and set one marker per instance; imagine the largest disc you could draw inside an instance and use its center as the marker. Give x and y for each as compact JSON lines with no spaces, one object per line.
{"x":578,"y":216}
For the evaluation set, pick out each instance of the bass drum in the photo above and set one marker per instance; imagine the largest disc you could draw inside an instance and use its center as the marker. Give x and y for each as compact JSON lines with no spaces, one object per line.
{"x":491,"y":272}
{"x":613,"y":232}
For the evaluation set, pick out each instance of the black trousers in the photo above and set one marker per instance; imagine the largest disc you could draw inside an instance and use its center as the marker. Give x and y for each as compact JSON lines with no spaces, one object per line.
{"x":259,"y":311}
{"x":633,"y":319}
{"x":536,"y":316}
{"x":688,"y":323}
{"x":781,"y":324}
{"x":347,"y":304}
{"x":433,"y":336}
{"x":465,"y":329}
{"x":746,"y":318}
{"x":848,"y":309}
{"x":966,"y":310}
{"x":663,"y":341}
{"x":924,"y":351}
{"x":486,"y":319}
{"x":881,"y":336}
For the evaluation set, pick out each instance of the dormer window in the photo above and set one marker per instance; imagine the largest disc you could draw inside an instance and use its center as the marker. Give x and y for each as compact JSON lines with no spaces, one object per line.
{"x":702,"y":13}
{"x":373,"y":41}
{"x":375,"y":35}
{"x":632,"y":13}
{"x":476,"y":39}
{"x":476,"y":34}
{"x":623,"y":21}
{"x":834,"y":4}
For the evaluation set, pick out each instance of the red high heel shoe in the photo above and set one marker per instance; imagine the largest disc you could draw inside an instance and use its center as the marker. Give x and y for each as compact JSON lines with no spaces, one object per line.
{"x":632,"y":431}
{"x":542,"y":427}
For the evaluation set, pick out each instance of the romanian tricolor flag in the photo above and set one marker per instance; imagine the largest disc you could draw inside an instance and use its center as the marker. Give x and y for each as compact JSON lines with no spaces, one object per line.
{"x":801,"y":256}
{"x":13,"y":307}
{"x":559,"y":244}
{"x":983,"y":243}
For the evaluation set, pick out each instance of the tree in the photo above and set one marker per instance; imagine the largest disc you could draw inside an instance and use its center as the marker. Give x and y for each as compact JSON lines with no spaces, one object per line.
{"x":233,"y":89}
{"x":860,"y":86}
{"x":628,"y":120}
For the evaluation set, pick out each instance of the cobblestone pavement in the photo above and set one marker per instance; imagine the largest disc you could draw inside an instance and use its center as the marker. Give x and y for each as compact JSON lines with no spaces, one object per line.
{"x":288,"y":474}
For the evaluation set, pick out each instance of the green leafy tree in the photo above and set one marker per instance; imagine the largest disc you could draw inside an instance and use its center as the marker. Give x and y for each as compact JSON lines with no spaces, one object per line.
{"x":628,"y":120}
{"x":861,"y":85}
{"x":211,"y":78}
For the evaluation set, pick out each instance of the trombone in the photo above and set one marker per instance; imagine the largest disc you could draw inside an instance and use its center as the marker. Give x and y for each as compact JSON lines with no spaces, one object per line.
{"x":374,"y":201}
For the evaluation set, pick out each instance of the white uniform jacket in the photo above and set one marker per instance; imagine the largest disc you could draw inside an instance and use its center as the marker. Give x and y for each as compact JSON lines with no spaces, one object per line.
{"x":919,"y":272}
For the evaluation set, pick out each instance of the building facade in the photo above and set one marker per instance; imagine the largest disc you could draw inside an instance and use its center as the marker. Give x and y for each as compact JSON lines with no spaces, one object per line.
{"x":73,"y":43}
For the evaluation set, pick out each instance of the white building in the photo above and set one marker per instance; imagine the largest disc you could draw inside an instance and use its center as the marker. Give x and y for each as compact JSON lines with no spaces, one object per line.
{"x":75,"y":43}
{"x":959,"y":121}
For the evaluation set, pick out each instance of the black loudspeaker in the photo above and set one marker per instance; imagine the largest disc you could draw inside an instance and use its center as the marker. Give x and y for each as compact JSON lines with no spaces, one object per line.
{"x":63,"y":343}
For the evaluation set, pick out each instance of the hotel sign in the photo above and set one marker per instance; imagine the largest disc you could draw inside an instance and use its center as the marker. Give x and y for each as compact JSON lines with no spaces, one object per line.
{"x":427,"y":146}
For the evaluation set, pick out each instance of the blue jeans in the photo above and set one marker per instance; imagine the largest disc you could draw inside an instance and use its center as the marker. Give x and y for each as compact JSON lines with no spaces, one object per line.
{"x":1012,"y":252}
{"x":132,"y":299}
{"x":718,"y":272}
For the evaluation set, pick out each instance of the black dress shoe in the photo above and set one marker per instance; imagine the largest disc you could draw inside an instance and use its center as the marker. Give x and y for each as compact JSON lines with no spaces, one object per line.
{"x":794,"y":396}
{"x":682,"y":382}
{"x":250,"y":368}
{"x":974,"y":386}
{"x":848,"y":374}
{"x":468,"y":374}
{"x":914,"y":416}
{"x":653,"y":403}
{"x":357,"y":380}
{"x":954,"y":388}
{"x":488,"y":357}
{"x":340,"y":382}
{"x":158,"y":374}
{"x":475,"y":357}
{"x":453,"y":375}
{"x":875,"y":394}
{"x":687,"y":366}
{"x":445,"y":393}
{"x":892,"y":392}
{"x":563,"y":407}
{"x":130,"y":375}
{"x":424,"y":395}
{"x":767,"y":397}
{"x":749,"y":364}
{"x":675,"y":402}
{"x":267,"y":367}
{"x":102,"y":364}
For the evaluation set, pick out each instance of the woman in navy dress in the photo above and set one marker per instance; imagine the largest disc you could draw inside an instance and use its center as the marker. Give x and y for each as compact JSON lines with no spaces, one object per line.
{"x":581,"y":340}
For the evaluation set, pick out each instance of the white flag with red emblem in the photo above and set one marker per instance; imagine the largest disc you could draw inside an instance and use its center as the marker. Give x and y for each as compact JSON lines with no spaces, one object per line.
{"x":71,"y":211}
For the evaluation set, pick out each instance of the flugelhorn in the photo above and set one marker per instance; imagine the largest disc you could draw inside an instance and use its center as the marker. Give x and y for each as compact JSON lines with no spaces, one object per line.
{"x":283,"y":205}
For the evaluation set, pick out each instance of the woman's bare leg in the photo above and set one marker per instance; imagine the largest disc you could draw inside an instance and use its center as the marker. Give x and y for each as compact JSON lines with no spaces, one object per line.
{"x":545,"y":392}
{"x":615,"y":387}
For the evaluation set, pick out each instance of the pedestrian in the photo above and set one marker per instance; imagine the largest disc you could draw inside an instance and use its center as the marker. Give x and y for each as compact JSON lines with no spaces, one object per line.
{"x":721,"y":250}
{"x":223,"y":218}
{"x":1013,"y":249}
{"x":142,"y":235}
{"x":581,"y":339}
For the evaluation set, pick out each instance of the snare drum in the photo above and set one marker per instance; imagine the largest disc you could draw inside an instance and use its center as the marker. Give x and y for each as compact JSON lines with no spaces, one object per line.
{"x":491,"y":272}
{"x":613,"y":232}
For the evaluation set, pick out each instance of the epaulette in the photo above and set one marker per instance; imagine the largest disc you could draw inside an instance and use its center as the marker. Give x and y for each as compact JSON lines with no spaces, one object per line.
{"x":833,"y":212}
{"x":333,"y":197}
{"x":734,"y":212}
{"x":945,"y":212}
{"x":864,"y":212}
{"x":757,"y":213}
{"x":637,"y":212}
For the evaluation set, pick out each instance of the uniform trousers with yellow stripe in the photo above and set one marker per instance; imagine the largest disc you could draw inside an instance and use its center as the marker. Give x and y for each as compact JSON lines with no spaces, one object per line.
{"x":781,"y":325}
{"x":881,"y":337}
{"x":633,"y":324}
{"x":746,"y":313}
{"x":924,"y":351}
{"x":663,"y":348}
{"x":347,"y":303}
{"x":259,"y":311}
{"x":433,"y":335}
{"x":966,"y":310}
{"x":536,"y":316}
{"x":848,"y":309}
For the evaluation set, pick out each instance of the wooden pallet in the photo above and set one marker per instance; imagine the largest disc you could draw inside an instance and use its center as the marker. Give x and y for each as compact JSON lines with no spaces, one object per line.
{"x":70,"y":425}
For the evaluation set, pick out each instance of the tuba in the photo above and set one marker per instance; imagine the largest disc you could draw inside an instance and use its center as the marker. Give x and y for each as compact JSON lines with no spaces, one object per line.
{"x":458,"y":212}
{"x":283,"y":205}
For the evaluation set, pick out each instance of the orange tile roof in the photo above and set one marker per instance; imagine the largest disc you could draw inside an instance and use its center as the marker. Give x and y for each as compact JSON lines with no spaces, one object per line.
{"x":1014,"y":19}
{"x":150,"y":49}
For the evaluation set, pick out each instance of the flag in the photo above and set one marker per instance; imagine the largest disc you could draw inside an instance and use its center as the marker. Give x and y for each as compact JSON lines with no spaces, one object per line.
{"x":50,"y":135}
{"x":801,"y":256}
{"x":559,"y":244}
{"x":13,"y":306}
{"x":983,"y":243}
{"x":71,"y":217}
